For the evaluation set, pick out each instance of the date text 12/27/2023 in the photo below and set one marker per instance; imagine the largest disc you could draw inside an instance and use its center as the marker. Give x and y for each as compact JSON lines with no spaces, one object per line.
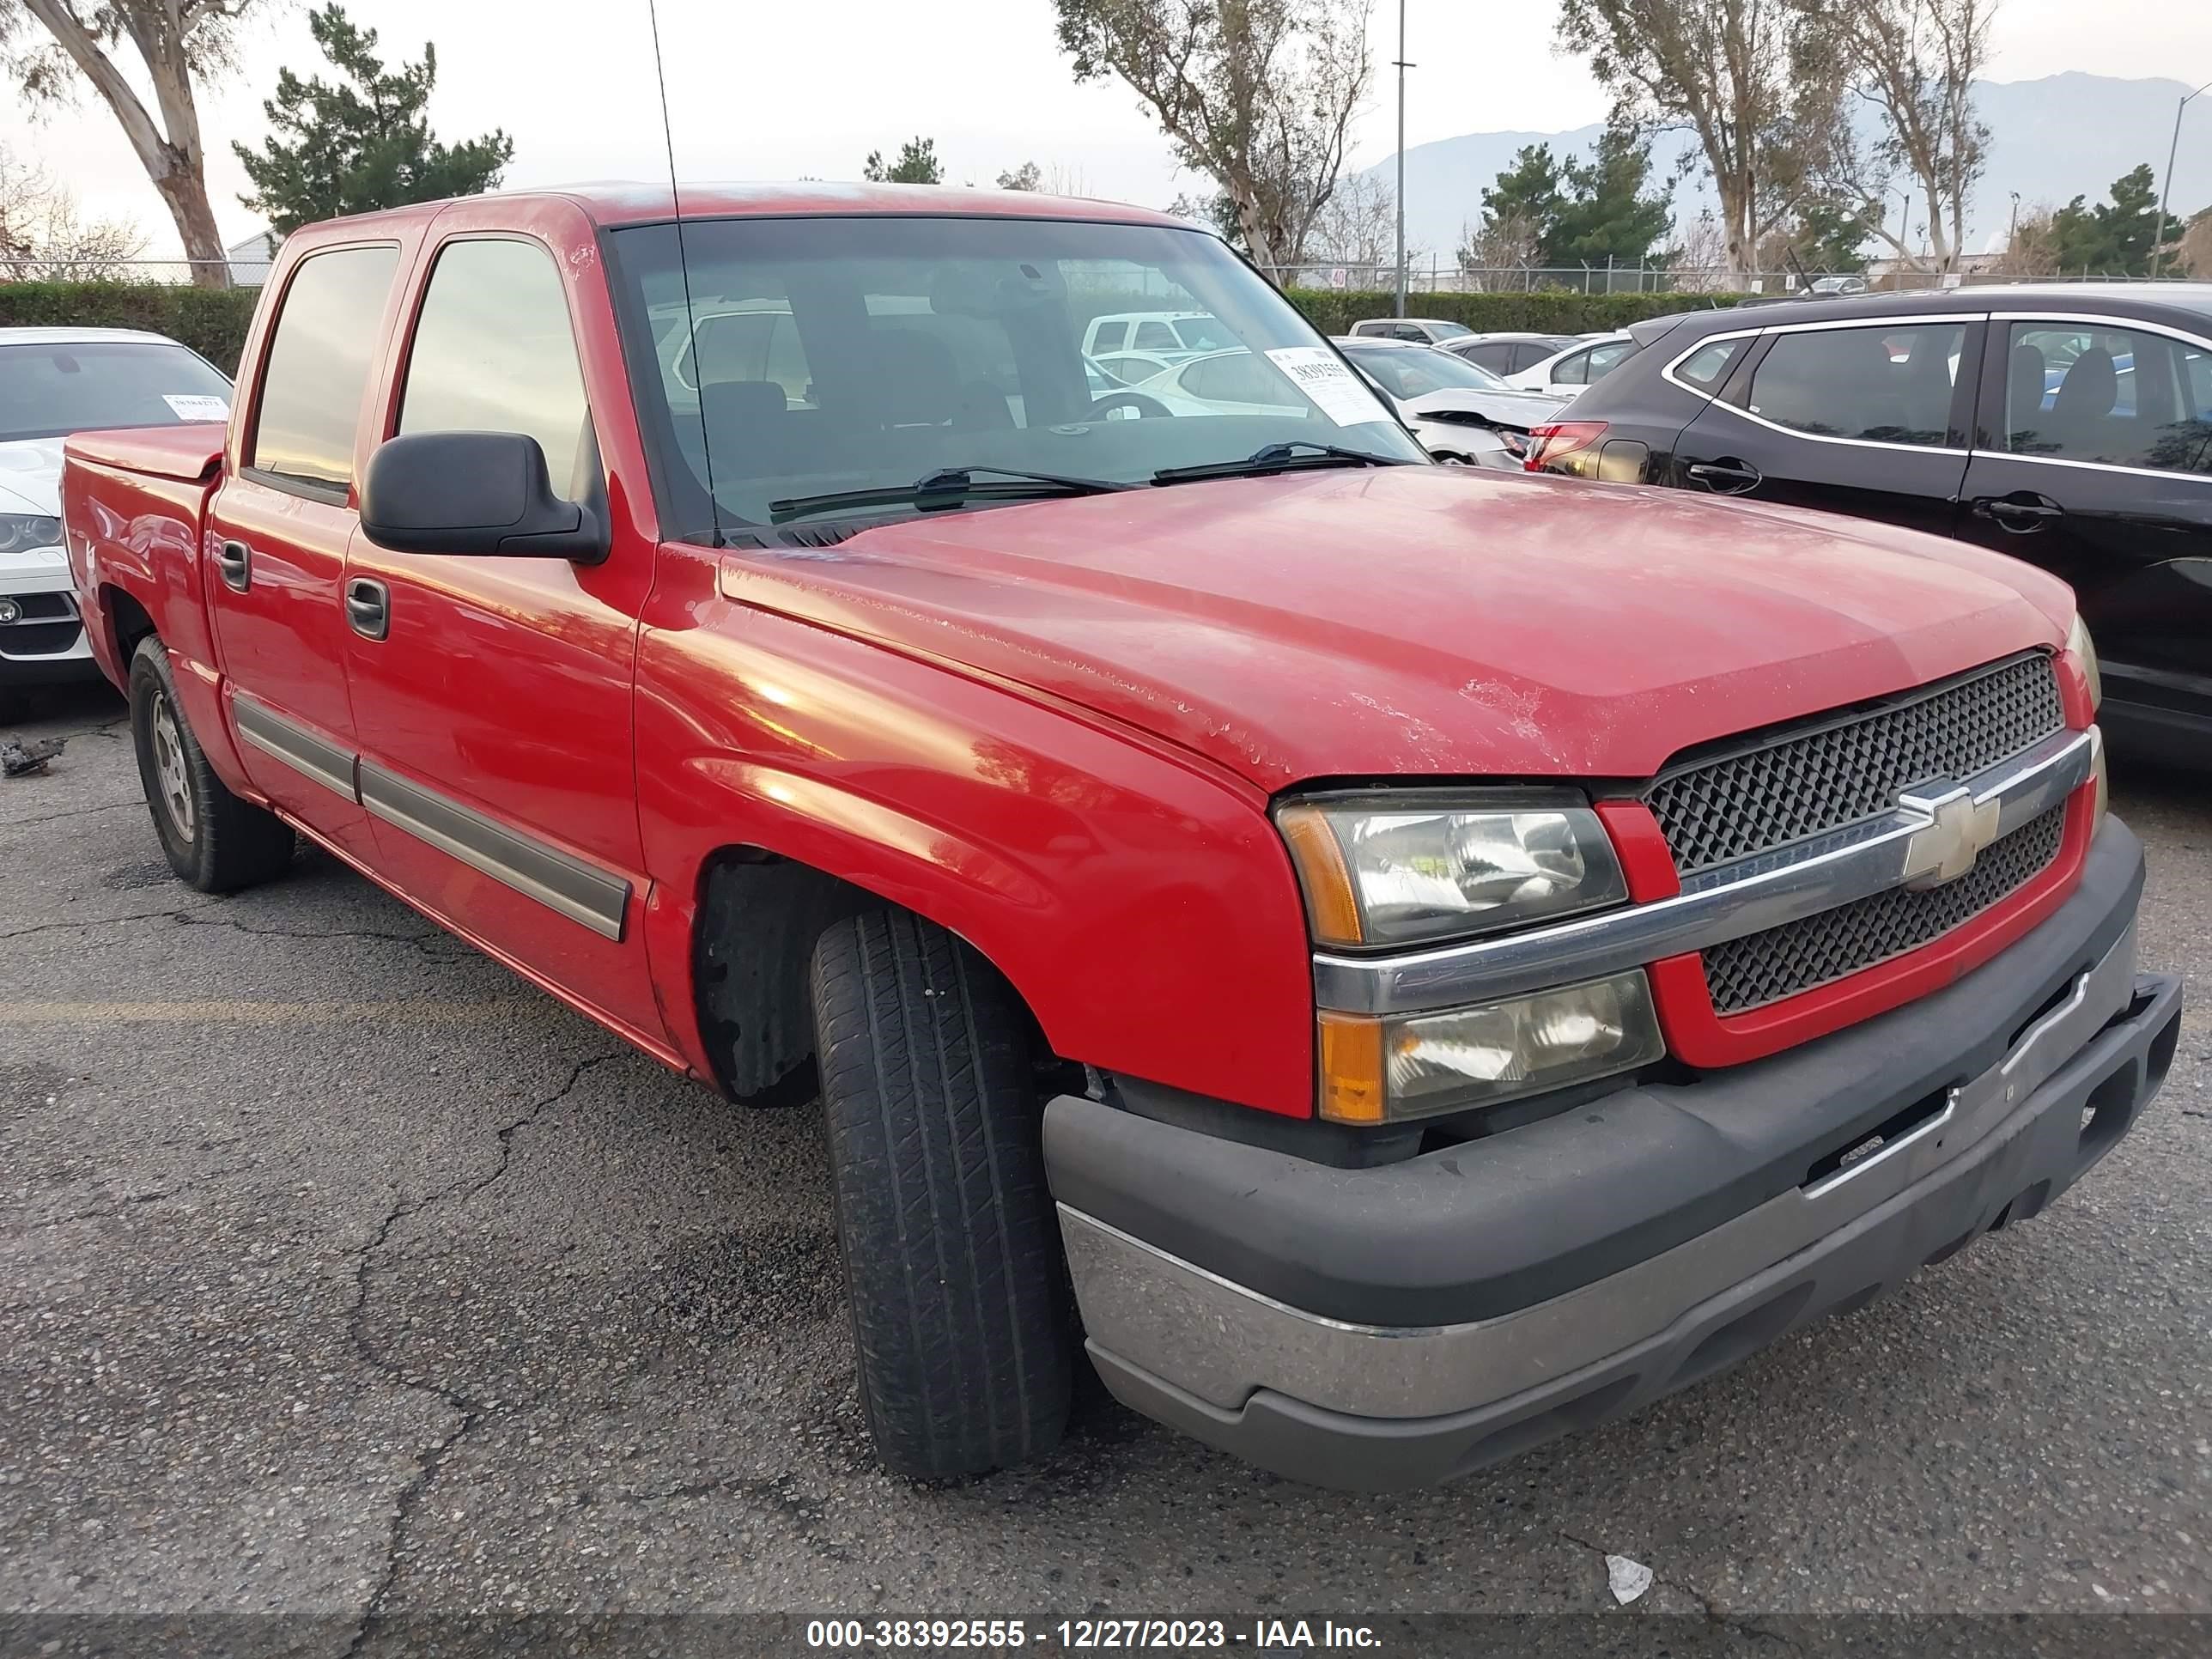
{"x":1087,"y":1635}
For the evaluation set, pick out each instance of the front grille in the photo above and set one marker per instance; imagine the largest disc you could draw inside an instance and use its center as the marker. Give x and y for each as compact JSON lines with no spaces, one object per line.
{"x":1809,"y":779}
{"x":1762,"y":968}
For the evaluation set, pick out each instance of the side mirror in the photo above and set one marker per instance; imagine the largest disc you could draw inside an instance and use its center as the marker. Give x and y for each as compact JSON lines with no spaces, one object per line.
{"x":473,"y":492}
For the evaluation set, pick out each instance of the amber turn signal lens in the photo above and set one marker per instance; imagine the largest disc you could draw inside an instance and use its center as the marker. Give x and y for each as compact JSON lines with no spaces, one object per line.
{"x":1352,"y":1088}
{"x":1331,"y":906}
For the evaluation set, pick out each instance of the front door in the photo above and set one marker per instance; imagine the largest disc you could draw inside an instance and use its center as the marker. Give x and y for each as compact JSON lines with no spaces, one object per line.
{"x":2095,"y":461}
{"x":1863,"y":417}
{"x":492,"y":694}
{"x":280,"y":524}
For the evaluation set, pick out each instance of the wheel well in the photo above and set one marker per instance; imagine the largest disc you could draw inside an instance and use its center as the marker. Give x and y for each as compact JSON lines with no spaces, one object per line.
{"x":127,"y":622}
{"x":760,"y":916}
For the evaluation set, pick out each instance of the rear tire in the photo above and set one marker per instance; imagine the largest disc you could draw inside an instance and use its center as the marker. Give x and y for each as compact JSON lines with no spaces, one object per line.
{"x":952,"y":1266}
{"x":214,"y":841}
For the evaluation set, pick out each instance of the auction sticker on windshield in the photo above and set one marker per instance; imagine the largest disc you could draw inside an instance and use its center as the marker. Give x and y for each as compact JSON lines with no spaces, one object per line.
{"x":196,"y":406}
{"x":1324,"y":377}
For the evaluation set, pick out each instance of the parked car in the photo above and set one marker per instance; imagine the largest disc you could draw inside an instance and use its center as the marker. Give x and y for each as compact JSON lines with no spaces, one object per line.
{"x":1565,"y":373}
{"x":1459,"y":412}
{"x":1505,"y":355}
{"x":1434,"y":959}
{"x":1837,"y":285}
{"x":2066,"y":425}
{"x":1171,"y":335}
{"x":1421,"y":330}
{"x":54,"y":381}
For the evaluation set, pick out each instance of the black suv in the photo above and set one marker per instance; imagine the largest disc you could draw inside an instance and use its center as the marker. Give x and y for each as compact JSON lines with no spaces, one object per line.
{"x":2068,"y":425}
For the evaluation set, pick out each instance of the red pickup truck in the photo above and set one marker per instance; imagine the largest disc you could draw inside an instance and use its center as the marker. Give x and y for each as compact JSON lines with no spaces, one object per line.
{"x":1433,"y":959}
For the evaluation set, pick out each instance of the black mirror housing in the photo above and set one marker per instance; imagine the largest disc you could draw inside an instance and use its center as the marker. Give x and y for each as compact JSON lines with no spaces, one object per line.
{"x":473,"y":492}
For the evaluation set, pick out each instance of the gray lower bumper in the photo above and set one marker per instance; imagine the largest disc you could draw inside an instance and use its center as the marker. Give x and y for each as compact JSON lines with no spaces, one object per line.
{"x":1345,"y":1404}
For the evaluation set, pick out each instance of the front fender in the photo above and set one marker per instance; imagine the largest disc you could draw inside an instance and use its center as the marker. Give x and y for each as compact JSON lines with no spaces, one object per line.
{"x":1140,"y":903}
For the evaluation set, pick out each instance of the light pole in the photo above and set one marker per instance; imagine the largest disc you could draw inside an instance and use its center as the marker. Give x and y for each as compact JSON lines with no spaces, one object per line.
{"x":1402,"y":67}
{"x":2157,"y":244}
{"x":2012,"y":225}
{"x":1904,"y":233}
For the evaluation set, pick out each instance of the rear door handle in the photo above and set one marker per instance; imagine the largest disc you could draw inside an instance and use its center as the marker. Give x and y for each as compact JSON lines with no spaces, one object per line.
{"x":234,"y":560}
{"x":369,"y":607}
{"x":1728,"y":476}
{"x":2022,"y":514}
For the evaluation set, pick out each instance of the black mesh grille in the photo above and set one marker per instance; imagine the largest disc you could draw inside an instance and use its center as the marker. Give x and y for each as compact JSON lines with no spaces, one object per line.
{"x":1804,"y":784}
{"x":1762,"y":967}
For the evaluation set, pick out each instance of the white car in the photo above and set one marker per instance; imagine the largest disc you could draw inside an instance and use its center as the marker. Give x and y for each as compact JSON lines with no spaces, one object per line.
{"x":1565,"y":373}
{"x":54,"y":381}
{"x":1421,"y":330}
{"x":1459,"y":411}
{"x":1172,"y":336}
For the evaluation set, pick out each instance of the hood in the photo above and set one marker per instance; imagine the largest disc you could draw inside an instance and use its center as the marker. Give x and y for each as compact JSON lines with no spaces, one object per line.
{"x":31,"y":476}
{"x":1418,"y":621}
{"x":1517,"y":409}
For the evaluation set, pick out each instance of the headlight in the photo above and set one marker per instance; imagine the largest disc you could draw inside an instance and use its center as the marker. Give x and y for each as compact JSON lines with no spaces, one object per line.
{"x":2083,"y":650}
{"x":20,"y":531}
{"x":1409,"y":868}
{"x":1382,"y":1070}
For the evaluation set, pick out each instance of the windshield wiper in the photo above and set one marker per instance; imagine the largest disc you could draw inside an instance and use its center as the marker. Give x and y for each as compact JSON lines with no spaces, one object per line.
{"x":946,"y":486}
{"x":1275,"y":458}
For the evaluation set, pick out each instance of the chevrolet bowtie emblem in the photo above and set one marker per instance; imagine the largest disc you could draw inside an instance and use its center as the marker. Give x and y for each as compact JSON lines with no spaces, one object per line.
{"x":1957,"y":830}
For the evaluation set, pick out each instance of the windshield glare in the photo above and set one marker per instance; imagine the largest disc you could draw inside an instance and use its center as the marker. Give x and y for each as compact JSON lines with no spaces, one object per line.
{"x":1410,"y":371}
{"x":824,"y":355}
{"x":49,"y":391}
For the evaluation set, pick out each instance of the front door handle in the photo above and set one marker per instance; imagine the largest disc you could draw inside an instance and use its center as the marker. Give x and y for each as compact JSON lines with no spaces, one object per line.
{"x":369,"y":607}
{"x":2022,"y":514}
{"x":1726,"y":477}
{"x":234,"y":560}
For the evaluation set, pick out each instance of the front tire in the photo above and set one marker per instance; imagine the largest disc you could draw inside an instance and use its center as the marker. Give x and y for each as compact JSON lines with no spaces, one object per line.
{"x":960,"y":1317}
{"x":214,"y":841}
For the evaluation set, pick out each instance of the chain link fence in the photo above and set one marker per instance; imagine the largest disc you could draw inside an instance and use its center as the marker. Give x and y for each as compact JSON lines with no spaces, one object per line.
{"x":1440,"y":276}
{"x":235,"y":273}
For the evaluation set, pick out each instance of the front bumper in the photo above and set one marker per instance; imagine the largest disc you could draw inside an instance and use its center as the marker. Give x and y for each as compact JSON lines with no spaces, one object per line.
{"x":1391,"y":1327}
{"x":48,"y":642}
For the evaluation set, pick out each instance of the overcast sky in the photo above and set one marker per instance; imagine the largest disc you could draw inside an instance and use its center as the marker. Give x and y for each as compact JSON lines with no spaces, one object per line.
{"x":767,"y":90}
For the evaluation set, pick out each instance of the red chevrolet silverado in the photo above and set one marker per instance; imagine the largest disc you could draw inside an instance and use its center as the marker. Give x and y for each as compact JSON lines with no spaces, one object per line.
{"x":1434,"y":959}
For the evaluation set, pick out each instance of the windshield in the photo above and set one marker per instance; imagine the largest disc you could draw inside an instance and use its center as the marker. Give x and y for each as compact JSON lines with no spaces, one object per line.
{"x":1443,"y":331}
{"x":822,"y":356}
{"x":1410,"y":371}
{"x":51,"y":391}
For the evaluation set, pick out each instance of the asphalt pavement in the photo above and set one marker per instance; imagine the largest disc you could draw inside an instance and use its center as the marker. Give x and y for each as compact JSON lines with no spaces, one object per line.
{"x":345,"y":1275}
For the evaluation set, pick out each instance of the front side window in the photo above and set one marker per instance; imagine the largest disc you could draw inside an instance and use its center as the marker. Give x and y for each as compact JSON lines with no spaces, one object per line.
{"x":934,"y":344}
{"x":1877,"y":385}
{"x":318,"y":366}
{"x":50,"y":391}
{"x":1497,"y":358}
{"x":493,"y":353}
{"x":2119,"y":397}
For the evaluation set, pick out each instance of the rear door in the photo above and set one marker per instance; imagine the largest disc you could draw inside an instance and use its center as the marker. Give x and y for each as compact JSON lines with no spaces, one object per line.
{"x":2093,"y":460}
{"x":282,"y":520}
{"x":493,"y":694}
{"x":1868,"y":418}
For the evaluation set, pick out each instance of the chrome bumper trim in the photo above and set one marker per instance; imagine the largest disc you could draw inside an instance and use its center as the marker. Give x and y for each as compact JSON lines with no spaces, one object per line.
{"x":1748,"y":897}
{"x":1220,"y":1342}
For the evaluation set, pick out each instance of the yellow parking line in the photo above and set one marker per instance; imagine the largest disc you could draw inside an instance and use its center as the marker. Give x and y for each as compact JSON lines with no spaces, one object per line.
{"x":238,"y":1011}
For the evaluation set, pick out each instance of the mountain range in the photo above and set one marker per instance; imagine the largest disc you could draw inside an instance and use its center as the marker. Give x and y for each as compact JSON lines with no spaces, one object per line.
{"x":2050,"y":140}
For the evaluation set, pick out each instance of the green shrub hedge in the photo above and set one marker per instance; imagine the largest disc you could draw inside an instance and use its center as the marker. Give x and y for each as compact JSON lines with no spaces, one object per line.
{"x":212,"y":321}
{"x":1334,"y":311}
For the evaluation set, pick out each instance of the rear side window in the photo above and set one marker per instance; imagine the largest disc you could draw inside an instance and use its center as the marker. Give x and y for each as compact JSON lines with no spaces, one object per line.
{"x":317,"y":367}
{"x":1497,"y":358}
{"x":1704,"y":366}
{"x":493,"y":353}
{"x":1879,"y":384}
{"x":1572,"y":370}
{"x":2120,"y":397}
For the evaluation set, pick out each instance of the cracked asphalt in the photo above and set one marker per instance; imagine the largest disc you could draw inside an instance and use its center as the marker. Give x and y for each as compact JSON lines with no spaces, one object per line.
{"x":348,"y":1276}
